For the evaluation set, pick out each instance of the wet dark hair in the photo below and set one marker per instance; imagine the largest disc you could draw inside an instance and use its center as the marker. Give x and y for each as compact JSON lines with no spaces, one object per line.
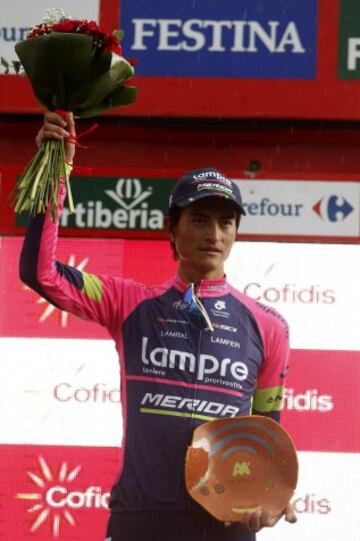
{"x":173,"y":220}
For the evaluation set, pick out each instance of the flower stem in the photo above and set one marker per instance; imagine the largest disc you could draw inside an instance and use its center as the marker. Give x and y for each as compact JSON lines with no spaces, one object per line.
{"x":39,"y":185}
{"x":39,"y":173}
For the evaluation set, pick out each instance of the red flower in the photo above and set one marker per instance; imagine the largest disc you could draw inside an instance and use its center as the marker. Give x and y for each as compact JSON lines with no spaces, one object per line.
{"x":110,"y":43}
{"x":92,"y":26}
{"x":39,"y":30}
{"x":102,"y":40}
{"x":133,"y":61}
{"x":66,"y":26}
{"x":114,"y":49}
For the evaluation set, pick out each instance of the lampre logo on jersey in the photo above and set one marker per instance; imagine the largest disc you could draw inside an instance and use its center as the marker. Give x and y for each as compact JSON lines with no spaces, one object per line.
{"x":203,"y":366}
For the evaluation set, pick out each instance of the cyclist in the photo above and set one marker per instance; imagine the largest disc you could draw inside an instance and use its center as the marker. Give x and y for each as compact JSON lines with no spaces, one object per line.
{"x":190,"y":350}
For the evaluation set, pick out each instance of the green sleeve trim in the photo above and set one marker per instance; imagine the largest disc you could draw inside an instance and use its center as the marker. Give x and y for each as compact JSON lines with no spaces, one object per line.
{"x":92,"y":286}
{"x":270,"y":399}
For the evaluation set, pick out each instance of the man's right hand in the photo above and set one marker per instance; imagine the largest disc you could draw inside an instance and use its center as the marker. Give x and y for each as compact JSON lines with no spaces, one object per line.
{"x":57,"y":127}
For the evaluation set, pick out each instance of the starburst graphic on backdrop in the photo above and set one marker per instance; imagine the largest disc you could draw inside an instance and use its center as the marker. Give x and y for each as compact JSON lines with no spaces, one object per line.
{"x":46,"y":381}
{"x":49,"y":309}
{"x":40,"y":507}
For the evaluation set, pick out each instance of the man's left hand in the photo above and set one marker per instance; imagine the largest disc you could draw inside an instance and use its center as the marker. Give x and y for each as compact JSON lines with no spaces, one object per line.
{"x":263,"y":519}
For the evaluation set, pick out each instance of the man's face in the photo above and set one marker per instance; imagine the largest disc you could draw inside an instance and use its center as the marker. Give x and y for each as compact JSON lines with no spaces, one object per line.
{"x":203,"y":238}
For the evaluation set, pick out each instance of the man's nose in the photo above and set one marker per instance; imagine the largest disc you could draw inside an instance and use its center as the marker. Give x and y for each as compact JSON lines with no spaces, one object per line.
{"x":214,"y":231}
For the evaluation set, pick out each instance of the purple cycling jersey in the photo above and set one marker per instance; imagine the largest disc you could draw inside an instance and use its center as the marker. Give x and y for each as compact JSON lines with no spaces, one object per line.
{"x":173,"y":376}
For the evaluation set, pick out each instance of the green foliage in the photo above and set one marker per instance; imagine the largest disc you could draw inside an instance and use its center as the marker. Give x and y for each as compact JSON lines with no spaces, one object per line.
{"x":17,"y":66}
{"x":67,"y":72}
{"x":119,"y":34}
{"x":13,"y":65}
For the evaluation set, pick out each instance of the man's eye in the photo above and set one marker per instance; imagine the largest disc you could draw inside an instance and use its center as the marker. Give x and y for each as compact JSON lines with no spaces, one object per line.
{"x":197,"y":220}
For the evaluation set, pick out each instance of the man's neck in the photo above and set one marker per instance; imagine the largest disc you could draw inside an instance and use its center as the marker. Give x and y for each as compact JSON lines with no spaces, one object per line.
{"x":190,"y":274}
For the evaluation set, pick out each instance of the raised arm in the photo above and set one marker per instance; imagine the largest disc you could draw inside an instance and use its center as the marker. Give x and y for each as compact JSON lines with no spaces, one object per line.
{"x":85,"y":295}
{"x":59,"y":128}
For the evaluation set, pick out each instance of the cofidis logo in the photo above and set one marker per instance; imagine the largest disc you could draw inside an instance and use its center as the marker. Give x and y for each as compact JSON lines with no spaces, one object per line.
{"x":55,"y":494}
{"x":208,"y":38}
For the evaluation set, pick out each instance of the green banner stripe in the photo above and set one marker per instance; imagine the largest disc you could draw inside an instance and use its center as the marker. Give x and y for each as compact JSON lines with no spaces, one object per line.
{"x":177,"y":414}
{"x":116,"y":203}
{"x":349,"y":40}
{"x":270,"y":399}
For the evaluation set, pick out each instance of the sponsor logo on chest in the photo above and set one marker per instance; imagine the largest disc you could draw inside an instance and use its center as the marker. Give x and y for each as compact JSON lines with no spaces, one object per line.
{"x":202,"y":365}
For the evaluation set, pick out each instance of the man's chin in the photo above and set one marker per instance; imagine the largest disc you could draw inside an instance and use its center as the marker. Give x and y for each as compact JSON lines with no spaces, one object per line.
{"x":210,"y":266}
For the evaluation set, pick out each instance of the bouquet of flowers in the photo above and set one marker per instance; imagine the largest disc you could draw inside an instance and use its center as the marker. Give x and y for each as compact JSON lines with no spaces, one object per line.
{"x":73,"y":65}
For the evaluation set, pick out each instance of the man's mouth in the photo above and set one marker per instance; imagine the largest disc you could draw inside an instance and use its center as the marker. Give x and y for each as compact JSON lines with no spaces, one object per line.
{"x":211,"y":249}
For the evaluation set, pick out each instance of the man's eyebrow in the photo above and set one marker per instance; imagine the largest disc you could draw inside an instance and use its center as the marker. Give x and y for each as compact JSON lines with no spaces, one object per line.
{"x":195,"y":212}
{"x":228,"y":214}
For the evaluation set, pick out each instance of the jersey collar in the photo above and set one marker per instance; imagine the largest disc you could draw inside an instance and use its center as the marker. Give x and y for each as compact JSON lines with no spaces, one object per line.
{"x":207,"y":288}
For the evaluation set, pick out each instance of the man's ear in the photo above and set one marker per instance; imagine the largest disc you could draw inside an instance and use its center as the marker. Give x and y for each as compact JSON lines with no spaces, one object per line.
{"x":169,"y":229}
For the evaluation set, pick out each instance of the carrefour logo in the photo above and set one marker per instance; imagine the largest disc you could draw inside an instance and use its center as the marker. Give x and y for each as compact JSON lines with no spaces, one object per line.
{"x":208,"y":38}
{"x":333,"y":208}
{"x":53,"y":498}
